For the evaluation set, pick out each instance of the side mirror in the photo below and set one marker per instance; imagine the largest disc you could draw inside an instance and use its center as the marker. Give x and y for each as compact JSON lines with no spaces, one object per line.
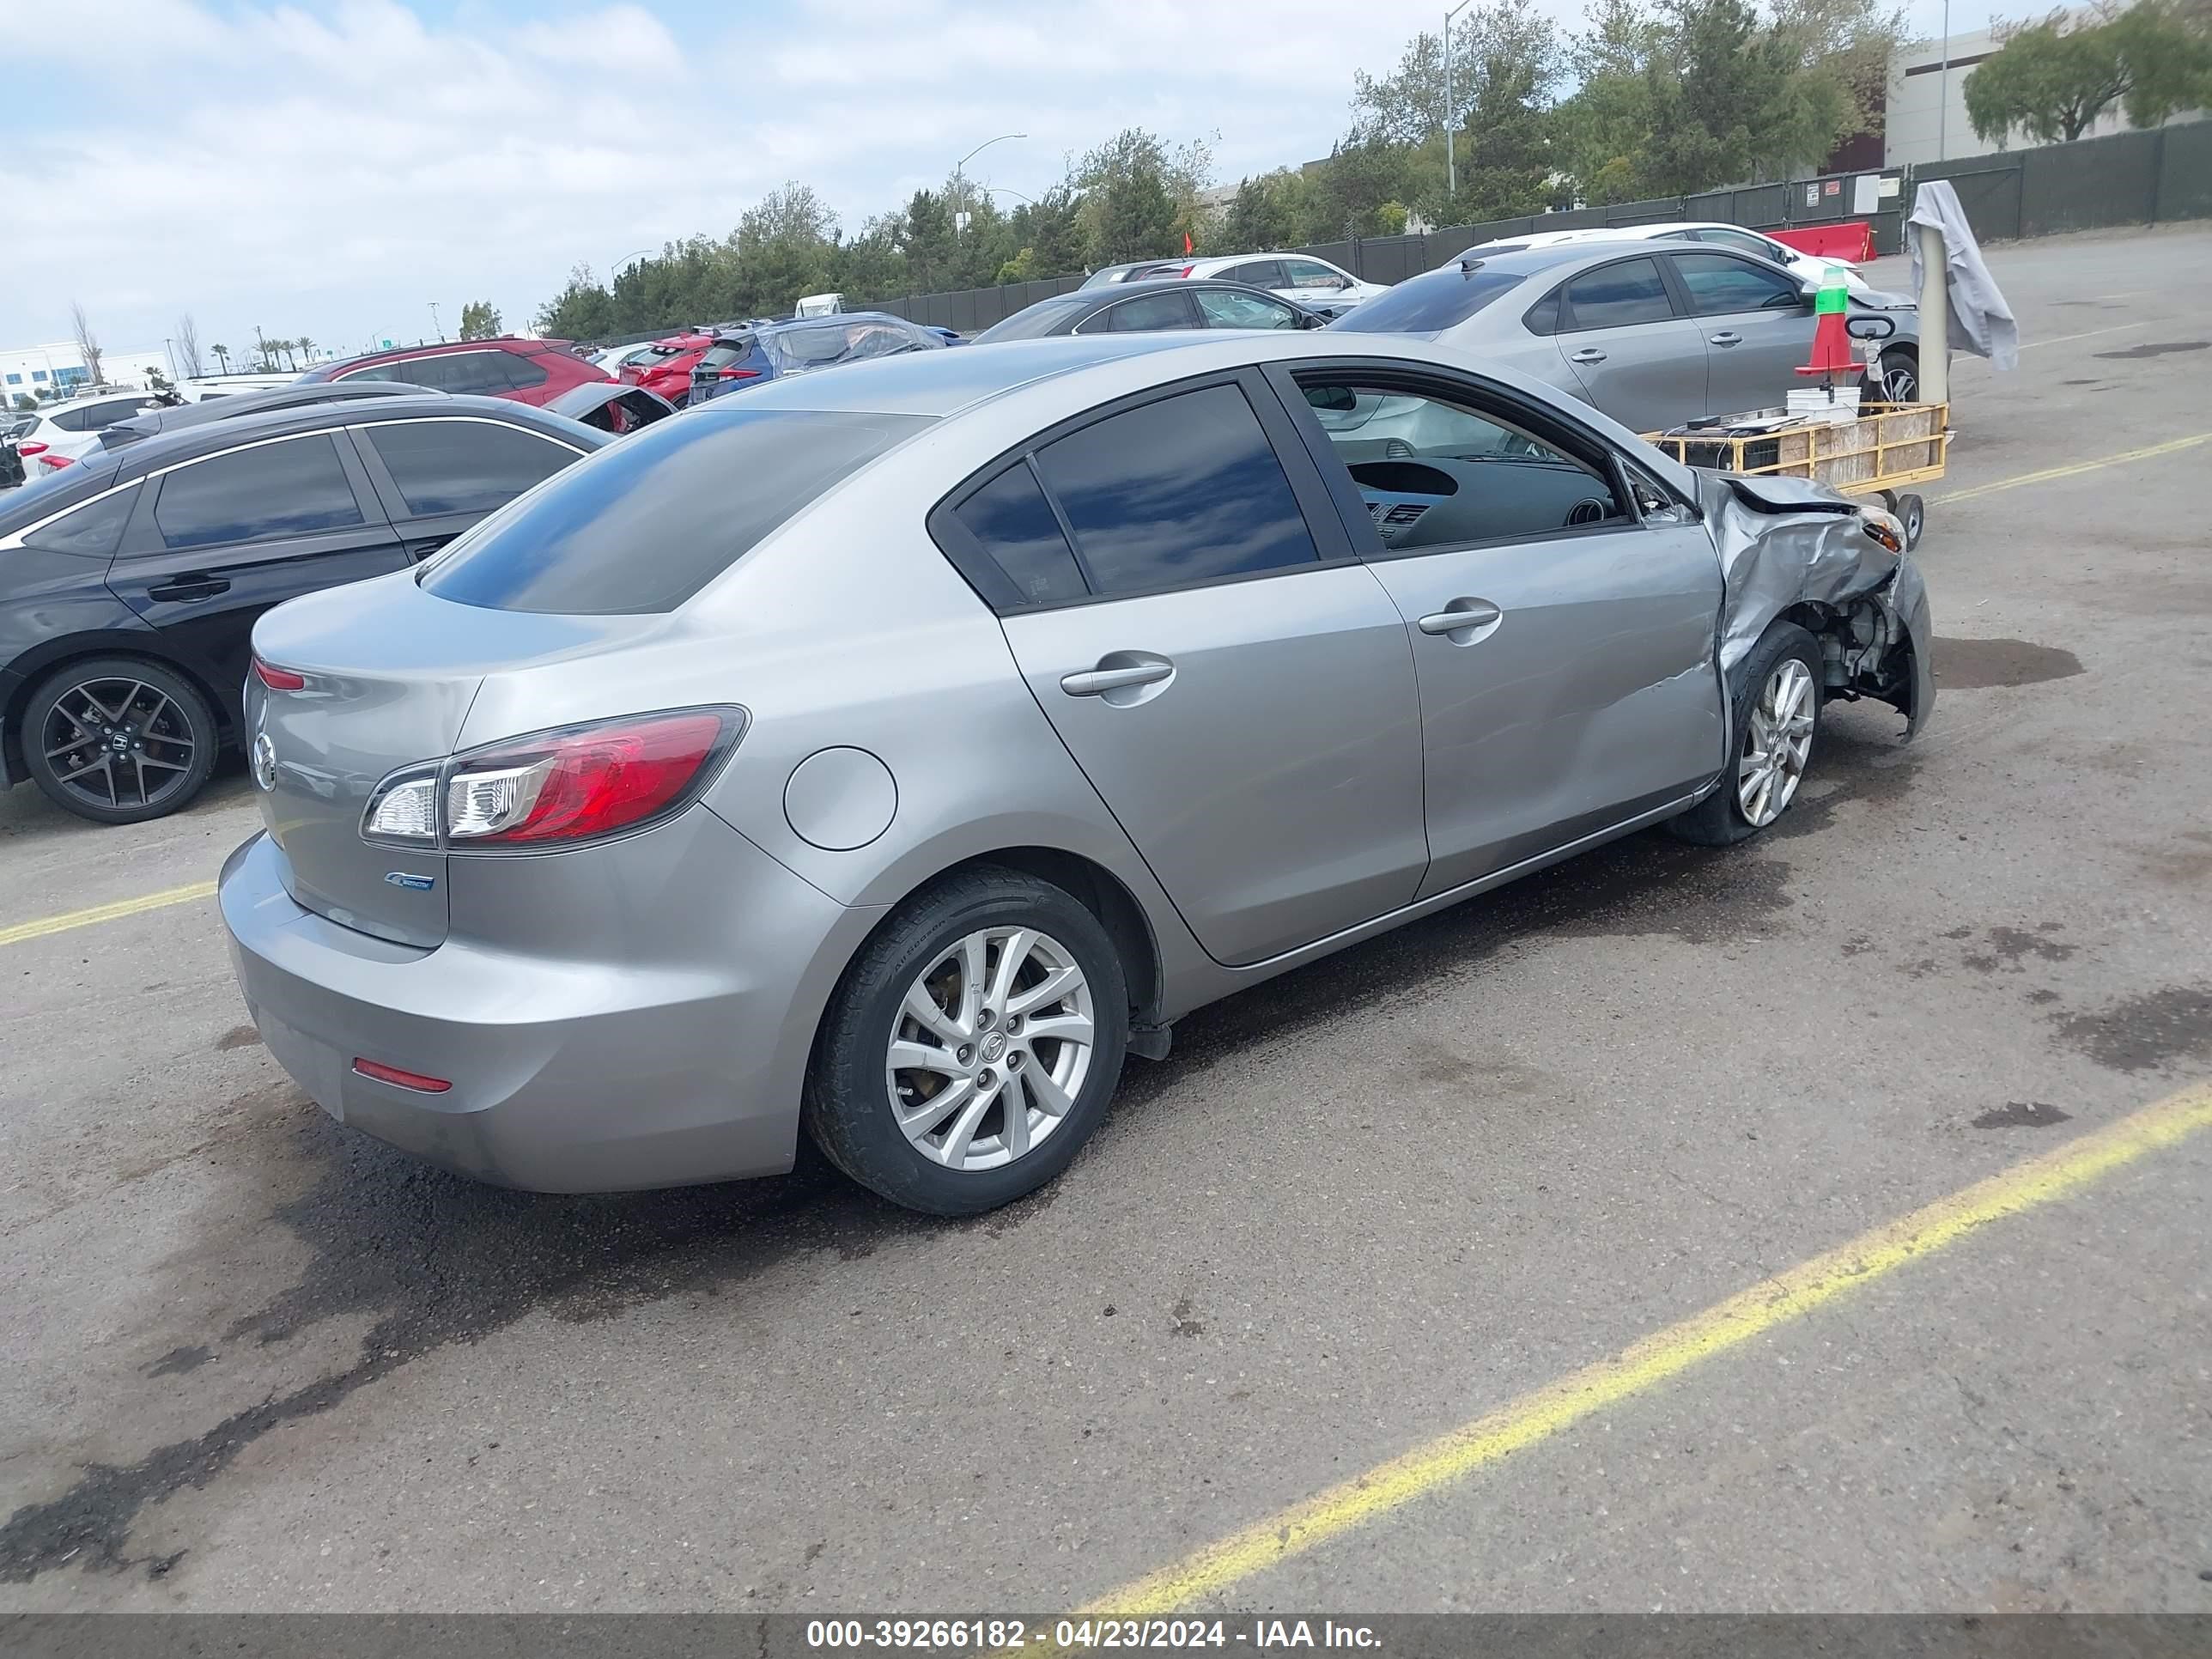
{"x":1312,"y":319}
{"x":1809,"y":294}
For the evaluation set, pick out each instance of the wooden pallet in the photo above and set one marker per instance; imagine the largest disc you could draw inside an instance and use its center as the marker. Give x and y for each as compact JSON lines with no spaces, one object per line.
{"x":1891,"y":446}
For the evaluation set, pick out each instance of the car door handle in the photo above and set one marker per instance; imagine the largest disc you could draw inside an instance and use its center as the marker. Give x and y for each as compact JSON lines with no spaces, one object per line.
{"x":185,"y":589}
{"x":1725,"y":339}
{"x":1588,"y":355}
{"x":1097,"y":682}
{"x":1460,"y":617}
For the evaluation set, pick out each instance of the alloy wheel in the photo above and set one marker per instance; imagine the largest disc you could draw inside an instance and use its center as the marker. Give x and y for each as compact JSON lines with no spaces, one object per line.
{"x":1900,"y":382}
{"x":118,"y":743}
{"x":990,"y":1049}
{"x":1777,"y":745}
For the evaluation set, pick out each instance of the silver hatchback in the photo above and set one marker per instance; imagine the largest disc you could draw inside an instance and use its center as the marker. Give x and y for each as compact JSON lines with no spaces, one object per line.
{"x":890,"y":752}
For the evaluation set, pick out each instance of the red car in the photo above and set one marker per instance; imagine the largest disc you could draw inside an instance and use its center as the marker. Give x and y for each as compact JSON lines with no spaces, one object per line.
{"x":533,"y":372}
{"x":668,"y":370}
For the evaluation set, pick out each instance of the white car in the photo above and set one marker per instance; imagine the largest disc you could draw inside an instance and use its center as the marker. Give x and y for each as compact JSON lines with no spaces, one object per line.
{"x":1807,"y":267}
{"x":64,"y":433}
{"x":1312,"y":282}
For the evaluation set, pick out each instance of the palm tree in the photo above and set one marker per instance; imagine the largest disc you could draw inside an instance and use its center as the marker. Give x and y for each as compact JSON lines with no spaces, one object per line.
{"x":221,"y":355}
{"x":307,"y":348}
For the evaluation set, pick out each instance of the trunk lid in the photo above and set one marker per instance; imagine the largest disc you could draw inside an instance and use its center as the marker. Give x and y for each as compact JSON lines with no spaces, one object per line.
{"x":391,"y":673}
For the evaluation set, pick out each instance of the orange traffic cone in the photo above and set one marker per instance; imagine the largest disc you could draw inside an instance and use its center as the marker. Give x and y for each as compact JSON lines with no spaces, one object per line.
{"x":1832,"y":341}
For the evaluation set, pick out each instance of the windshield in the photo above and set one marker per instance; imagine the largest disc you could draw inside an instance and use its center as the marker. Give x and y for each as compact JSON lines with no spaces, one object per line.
{"x":1430,"y":303}
{"x":647,"y":523}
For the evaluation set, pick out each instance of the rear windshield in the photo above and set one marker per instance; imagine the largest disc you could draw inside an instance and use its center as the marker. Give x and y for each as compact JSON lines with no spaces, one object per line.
{"x":1425,"y":304}
{"x":647,"y":523}
{"x":1034,"y":322}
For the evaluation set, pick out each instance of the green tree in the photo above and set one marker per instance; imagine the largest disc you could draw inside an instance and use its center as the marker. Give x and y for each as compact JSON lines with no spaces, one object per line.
{"x":582,"y":310}
{"x":1261,"y":216}
{"x":25,"y":405}
{"x":2168,"y":50}
{"x":1134,"y":191}
{"x":221,"y":355}
{"x":480,"y":320}
{"x":2049,"y":80}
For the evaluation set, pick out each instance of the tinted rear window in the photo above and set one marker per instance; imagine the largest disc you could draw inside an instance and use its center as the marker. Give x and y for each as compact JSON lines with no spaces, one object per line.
{"x":94,"y":531}
{"x":648,"y":522}
{"x":1034,"y":322}
{"x":1434,"y":301}
{"x":1182,"y":490}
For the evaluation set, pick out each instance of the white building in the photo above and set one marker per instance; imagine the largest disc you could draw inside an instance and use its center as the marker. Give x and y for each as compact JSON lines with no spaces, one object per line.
{"x":1925,"y":118}
{"x":53,"y":368}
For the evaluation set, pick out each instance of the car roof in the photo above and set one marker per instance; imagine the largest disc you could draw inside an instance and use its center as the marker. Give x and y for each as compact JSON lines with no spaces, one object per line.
{"x":166,"y":449}
{"x":434,"y":348}
{"x":940,"y":383}
{"x":175,"y":417}
{"x":1518,"y":260}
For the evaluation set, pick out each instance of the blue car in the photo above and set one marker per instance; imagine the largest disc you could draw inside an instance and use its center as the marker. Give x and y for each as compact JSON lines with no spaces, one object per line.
{"x":759,"y":352}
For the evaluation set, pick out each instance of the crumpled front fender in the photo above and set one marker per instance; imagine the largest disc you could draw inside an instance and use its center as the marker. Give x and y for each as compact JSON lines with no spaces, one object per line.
{"x":1785,"y":543}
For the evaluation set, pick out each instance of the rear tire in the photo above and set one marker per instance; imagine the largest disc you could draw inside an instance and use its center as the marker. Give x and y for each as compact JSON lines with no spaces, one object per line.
{"x":119,"y":739}
{"x":1777,"y":700}
{"x":928,"y":1084}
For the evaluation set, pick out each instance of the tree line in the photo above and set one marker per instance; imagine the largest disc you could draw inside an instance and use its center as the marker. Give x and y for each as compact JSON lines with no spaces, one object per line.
{"x":1649,"y":97}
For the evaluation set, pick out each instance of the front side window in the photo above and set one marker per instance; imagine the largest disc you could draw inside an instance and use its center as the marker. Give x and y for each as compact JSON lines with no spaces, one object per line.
{"x":1311,"y":273}
{"x":292,"y":487}
{"x":1436,"y":471}
{"x":1741,"y":240}
{"x":1226,"y":308}
{"x":647,"y":523}
{"x":463,"y":466}
{"x":1718,"y":283}
{"x":1185,"y":489}
{"x":1616,"y":296}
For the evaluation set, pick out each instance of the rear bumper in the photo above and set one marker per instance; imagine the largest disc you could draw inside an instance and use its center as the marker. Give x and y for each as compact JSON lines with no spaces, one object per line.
{"x":675,"y":1053}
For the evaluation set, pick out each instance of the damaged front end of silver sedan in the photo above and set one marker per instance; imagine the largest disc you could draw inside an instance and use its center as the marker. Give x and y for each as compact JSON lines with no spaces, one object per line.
{"x":1800,"y":551}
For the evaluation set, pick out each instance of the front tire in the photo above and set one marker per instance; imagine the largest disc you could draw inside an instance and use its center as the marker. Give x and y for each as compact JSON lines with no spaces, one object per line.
{"x":119,"y":739}
{"x":971,"y":1049}
{"x":1900,"y":377}
{"x":1778,"y":699}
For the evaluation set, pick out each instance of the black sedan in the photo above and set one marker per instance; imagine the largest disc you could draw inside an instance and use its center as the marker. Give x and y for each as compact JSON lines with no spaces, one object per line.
{"x":1144,"y":308}
{"x":129,"y":581}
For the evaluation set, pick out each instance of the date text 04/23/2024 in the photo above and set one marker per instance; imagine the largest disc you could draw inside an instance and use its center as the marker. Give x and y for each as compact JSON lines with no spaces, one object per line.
{"x":1010,"y":1635}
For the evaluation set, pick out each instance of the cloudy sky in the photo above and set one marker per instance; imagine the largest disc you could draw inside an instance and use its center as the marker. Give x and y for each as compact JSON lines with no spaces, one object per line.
{"x":330,"y":167}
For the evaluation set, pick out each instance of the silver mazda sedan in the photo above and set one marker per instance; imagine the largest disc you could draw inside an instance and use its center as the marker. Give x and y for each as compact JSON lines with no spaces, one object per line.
{"x":890,"y":752}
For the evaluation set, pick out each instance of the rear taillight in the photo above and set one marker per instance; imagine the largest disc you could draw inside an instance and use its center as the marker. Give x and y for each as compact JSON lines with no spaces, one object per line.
{"x":33,"y":448}
{"x":555,"y":788}
{"x":278,"y":679}
{"x":733,"y":373}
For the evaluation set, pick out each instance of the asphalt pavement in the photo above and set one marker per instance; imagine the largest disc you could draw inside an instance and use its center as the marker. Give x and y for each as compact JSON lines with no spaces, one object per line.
{"x":258,"y":1361}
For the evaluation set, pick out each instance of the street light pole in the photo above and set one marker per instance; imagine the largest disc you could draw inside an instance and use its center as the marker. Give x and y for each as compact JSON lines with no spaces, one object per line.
{"x":1943,"y":102}
{"x":963,"y":177}
{"x":1451,"y":116}
{"x":437,"y":327}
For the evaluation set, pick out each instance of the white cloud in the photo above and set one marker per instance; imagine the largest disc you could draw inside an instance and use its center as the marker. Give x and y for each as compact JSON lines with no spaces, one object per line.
{"x":331,"y":170}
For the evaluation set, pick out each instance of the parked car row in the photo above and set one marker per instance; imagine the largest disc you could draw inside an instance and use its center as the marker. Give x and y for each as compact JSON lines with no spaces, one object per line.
{"x":130,"y":581}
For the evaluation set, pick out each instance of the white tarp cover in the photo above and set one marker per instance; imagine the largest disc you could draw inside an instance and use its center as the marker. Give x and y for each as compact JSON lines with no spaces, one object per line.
{"x":1981,"y":321}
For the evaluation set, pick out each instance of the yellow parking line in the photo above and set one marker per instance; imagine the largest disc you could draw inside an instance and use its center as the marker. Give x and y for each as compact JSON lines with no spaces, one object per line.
{"x":130,"y":907}
{"x":1557,"y":1406}
{"x":2049,"y":473}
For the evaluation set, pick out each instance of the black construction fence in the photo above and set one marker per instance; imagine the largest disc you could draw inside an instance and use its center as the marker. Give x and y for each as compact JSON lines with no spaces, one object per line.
{"x":2151,"y":177}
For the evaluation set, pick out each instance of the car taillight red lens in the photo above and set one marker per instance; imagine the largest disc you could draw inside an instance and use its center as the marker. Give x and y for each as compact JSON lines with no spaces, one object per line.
{"x":32,"y":448}
{"x":736,"y":373}
{"x":278,"y":679}
{"x":583,"y":781}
